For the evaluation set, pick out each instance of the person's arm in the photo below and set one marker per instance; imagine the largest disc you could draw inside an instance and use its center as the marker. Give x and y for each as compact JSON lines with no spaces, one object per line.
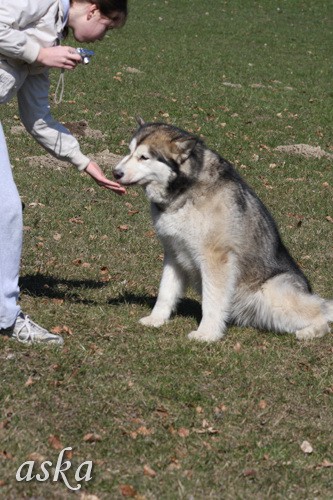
{"x":35,"y":114}
{"x":33,"y":101}
{"x":14,"y":42}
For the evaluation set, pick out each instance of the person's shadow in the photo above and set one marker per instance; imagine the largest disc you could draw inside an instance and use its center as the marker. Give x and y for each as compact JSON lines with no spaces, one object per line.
{"x":41,"y":285}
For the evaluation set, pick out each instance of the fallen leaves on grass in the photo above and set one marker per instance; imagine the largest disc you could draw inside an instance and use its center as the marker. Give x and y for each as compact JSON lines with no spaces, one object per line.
{"x":88,"y":496}
{"x":6,"y":455}
{"x":324,"y":464}
{"x":5,"y":424}
{"x":30,"y":381}
{"x":36,"y":457}
{"x":92,"y":437}
{"x":144,"y":431}
{"x":55,"y":442}
{"x":58,"y":330}
{"x":162,"y":412}
{"x":183,"y":432}
{"x":76,"y":220}
{"x":262,"y":404}
{"x":250,"y":473}
{"x":127,"y":490}
{"x":141,"y":431}
{"x":148,"y":471}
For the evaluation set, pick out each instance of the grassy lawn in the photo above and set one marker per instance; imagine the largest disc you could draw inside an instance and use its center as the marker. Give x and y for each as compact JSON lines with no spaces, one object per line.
{"x":159,"y":416}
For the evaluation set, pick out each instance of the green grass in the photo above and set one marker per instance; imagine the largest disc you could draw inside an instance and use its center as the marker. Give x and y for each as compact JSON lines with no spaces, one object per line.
{"x":213,"y":421}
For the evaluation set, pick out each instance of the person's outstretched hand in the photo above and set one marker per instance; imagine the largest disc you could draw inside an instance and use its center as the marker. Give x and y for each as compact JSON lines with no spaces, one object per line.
{"x":97,"y":174}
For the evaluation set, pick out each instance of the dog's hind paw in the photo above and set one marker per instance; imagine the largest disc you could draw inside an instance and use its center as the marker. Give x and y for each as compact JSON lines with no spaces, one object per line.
{"x":312,"y":332}
{"x":152,"y":321}
{"x":204,"y":337}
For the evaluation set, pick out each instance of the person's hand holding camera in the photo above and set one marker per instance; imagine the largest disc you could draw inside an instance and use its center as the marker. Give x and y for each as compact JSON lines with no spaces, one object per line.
{"x":59,"y":57}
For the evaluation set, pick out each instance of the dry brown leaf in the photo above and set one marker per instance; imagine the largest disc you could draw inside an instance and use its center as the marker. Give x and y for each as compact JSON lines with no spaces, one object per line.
{"x":183,"y":432}
{"x":143,"y":431}
{"x":237,"y":347}
{"x":92,"y":437}
{"x":61,"y":329}
{"x":329,"y":218}
{"x":5,"y":424}
{"x":221,"y":407}
{"x":262,"y":404}
{"x":325,"y":463}
{"x":249,"y":473}
{"x":162,"y":412}
{"x":88,"y":496}
{"x":123,"y":227}
{"x":30,"y":381}
{"x":55,"y":442}
{"x":76,"y":220}
{"x":57,"y":301}
{"x":148,"y":471}
{"x":127,"y":490}
{"x":174,"y":465}
{"x":2,"y":483}
{"x":36,"y":457}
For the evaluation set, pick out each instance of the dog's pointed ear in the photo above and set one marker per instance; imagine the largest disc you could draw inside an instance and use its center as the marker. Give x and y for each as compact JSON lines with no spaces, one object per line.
{"x":140,"y":120}
{"x":185,"y":146}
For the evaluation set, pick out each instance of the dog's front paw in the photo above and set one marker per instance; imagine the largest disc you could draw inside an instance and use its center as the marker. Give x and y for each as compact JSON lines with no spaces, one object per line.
{"x":152,"y":321}
{"x":204,"y":336}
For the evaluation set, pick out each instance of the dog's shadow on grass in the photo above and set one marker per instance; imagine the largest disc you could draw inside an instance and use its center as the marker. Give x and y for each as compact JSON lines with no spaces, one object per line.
{"x":40,"y":285}
{"x":186,"y":308}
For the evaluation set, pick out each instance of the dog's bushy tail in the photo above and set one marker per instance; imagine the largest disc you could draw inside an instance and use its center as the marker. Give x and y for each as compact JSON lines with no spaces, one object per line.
{"x":328,"y":310}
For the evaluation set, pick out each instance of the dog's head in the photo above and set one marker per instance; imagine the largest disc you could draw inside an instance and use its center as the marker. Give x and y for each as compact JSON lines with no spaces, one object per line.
{"x":160,"y":155}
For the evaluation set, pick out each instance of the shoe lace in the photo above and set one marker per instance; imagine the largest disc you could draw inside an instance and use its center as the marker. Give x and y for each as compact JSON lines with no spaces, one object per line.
{"x":25,"y":323}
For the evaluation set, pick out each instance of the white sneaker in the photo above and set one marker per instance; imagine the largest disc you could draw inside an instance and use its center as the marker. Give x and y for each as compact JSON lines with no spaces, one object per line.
{"x":26,"y":331}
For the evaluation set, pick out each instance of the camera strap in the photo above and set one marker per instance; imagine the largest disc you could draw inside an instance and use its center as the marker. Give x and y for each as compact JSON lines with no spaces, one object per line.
{"x":59,"y":92}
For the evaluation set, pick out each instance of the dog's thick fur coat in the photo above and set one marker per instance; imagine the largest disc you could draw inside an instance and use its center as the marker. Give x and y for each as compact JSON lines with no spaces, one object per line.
{"x":219,"y":237}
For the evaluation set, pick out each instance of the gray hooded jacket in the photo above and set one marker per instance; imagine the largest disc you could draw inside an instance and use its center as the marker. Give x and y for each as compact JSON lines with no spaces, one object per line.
{"x":25,"y":27}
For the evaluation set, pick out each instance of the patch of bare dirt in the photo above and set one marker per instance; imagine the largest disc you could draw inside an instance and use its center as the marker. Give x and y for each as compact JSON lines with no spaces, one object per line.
{"x":104,"y":159}
{"x":17,"y":129}
{"x":304,"y":150}
{"x":78,"y":129}
{"x":82,"y":129}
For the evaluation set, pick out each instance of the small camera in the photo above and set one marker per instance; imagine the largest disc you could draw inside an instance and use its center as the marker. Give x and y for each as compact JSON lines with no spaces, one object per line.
{"x":85,"y":54}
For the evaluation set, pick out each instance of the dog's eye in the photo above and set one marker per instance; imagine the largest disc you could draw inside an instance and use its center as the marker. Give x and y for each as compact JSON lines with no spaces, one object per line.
{"x":143,"y":157}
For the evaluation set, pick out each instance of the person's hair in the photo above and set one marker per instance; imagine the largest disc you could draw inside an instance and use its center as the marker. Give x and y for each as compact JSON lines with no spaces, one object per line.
{"x":106,"y":7}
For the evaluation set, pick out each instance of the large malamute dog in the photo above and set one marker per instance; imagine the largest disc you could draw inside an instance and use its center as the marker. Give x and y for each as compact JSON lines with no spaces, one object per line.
{"x":218,"y":236}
